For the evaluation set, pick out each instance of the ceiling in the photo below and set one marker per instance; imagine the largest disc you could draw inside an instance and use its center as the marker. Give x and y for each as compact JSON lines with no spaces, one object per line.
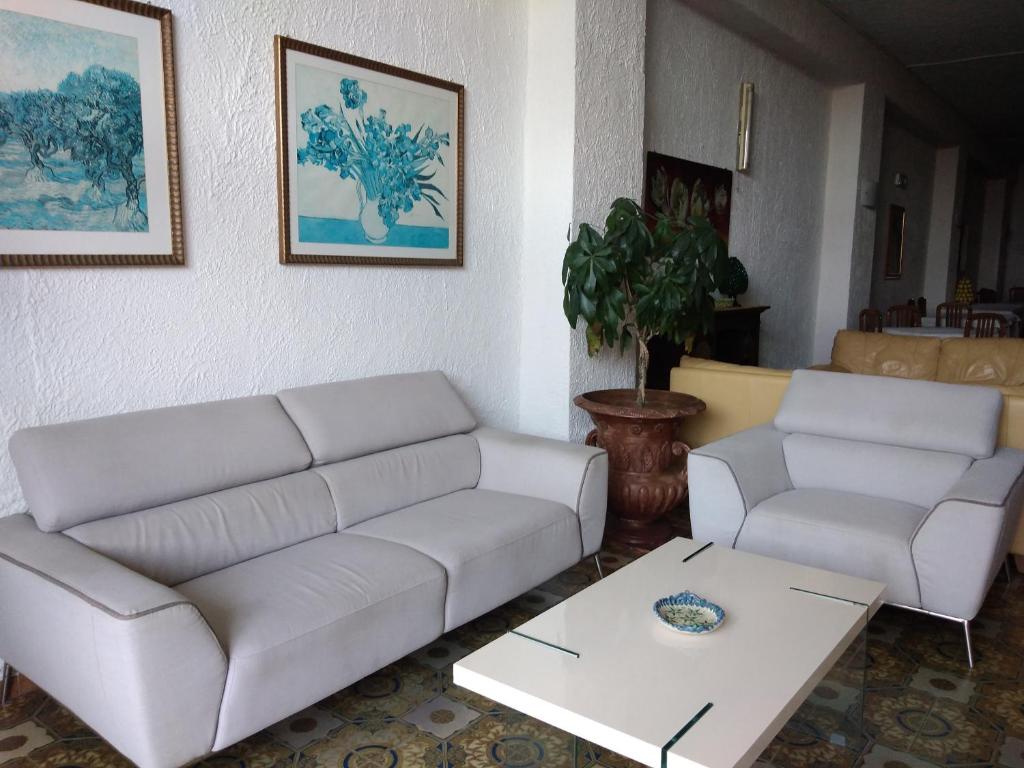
{"x":969,"y":52}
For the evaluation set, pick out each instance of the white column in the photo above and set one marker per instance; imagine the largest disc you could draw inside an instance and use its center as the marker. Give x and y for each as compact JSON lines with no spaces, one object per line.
{"x":940,"y":261}
{"x":544,"y":370}
{"x":838,"y":224}
{"x":609,"y":154}
{"x":993,"y":215}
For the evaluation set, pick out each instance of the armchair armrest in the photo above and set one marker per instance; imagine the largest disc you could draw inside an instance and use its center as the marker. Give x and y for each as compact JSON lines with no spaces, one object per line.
{"x":731,"y":476}
{"x":575,"y":475}
{"x":133,"y":658}
{"x":960,"y":545}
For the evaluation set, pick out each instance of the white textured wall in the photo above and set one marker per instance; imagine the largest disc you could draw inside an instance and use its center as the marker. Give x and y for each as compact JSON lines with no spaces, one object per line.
{"x":608,"y":157}
{"x":80,"y":343}
{"x":903,"y":152}
{"x":694,"y":71}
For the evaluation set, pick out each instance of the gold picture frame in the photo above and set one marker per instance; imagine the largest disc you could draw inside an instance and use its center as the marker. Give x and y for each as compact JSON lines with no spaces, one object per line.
{"x":339,"y":236}
{"x":155,"y":239}
{"x":895,"y":237}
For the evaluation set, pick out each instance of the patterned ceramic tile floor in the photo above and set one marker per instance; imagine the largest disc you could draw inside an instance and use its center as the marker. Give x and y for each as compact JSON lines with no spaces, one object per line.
{"x":923,"y":707}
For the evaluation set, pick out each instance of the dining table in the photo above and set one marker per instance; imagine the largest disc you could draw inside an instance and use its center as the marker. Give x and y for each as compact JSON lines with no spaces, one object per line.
{"x":1010,"y":311}
{"x":931,"y":330}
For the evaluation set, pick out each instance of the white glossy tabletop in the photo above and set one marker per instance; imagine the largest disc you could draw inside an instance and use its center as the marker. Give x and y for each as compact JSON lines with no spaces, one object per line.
{"x":629,"y":683}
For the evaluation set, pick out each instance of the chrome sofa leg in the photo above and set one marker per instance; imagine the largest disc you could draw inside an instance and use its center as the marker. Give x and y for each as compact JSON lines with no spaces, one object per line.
{"x":967,"y":639}
{"x":597,"y":562}
{"x":5,"y":686}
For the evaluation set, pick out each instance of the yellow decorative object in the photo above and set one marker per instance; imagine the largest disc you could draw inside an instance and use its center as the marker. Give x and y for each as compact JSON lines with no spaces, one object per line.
{"x":964,"y":293}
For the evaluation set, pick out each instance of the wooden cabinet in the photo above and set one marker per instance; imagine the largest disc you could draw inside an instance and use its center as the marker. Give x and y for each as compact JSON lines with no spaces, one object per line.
{"x":736,"y":338}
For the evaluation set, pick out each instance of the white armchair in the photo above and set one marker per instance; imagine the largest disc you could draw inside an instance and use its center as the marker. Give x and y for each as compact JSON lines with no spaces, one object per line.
{"x":883,"y":478}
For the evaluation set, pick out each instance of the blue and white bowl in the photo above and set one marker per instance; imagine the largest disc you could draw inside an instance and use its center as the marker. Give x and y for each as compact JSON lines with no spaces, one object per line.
{"x":689,"y":613}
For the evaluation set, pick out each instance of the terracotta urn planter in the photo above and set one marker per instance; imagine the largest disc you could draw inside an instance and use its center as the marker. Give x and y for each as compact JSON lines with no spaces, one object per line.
{"x":647,"y":462}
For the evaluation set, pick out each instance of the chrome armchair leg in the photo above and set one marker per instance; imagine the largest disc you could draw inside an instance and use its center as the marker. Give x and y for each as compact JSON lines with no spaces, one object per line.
{"x":5,"y":686}
{"x":965,"y":622}
{"x":1008,"y":570}
{"x":597,"y":562}
{"x":967,"y":639}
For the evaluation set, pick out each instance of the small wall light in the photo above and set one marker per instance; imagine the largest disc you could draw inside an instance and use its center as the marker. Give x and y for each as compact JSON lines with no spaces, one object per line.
{"x":743,"y":132}
{"x":901,"y":180}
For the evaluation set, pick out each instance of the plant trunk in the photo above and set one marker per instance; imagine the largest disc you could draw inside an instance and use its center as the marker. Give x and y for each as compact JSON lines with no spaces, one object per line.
{"x":642,"y":363}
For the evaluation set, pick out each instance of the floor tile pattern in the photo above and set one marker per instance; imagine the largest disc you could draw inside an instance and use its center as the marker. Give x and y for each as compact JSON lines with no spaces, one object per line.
{"x":923,"y":707}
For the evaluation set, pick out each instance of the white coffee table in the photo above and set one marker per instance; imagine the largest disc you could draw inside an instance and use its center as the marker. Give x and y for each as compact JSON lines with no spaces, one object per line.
{"x":600,"y":666}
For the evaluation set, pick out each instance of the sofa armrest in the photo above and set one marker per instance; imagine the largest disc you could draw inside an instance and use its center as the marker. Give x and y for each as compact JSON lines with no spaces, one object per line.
{"x":132,"y":658}
{"x":730,"y":477}
{"x":574,"y":475}
{"x":960,"y":545}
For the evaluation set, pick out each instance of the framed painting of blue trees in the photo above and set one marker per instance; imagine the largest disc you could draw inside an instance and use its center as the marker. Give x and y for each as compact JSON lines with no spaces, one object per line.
{"x":369,"y":161}
{"x":88,"y":137}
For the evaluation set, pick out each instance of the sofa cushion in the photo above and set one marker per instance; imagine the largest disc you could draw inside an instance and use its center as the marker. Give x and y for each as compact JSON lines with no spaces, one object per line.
{"x":982,"y":361}
{"x":878,"y":409}
{"x":346,"y":419}
{"x":383,"y":482}
{"x":883,"y":354}
{"x":903,"y":474}
{"x":86,"y":470}
{"x":845,"y":532}
{"x":186,"y":539}
{"x":303,"y":622}
{"x":494,"y":546}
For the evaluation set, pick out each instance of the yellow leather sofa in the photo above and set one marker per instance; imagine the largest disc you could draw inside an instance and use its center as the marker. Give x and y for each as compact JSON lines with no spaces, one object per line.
{"x":741,"y":396}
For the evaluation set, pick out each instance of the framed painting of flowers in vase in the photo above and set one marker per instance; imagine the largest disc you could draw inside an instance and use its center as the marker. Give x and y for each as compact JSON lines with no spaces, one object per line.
{"x":369,"y":161}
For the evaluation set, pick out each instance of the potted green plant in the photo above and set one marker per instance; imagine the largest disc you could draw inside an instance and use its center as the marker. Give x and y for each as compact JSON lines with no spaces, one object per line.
{"x":644,"y":276}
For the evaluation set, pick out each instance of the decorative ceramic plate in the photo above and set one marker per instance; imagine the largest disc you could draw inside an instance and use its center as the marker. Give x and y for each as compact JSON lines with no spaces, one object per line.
{"x":689,"y":613}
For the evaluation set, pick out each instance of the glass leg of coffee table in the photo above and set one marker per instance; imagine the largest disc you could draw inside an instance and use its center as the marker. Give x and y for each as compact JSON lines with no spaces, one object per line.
{"x":590,"y":751}
{"x":834,"y":710}
{"x":857,"y":674}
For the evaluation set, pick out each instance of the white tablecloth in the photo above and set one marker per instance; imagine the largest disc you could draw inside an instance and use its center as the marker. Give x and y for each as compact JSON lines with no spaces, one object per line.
{"x":999,"y":306}
{"x":923,"y":331}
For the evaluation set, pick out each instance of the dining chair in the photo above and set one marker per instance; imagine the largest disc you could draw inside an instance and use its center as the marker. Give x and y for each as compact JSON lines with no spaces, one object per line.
{"x":870,"y":320}
{"x":986,"y":296}
{"x":985,"y":325}
{"x":950,"y":314}
{"x":902,"y":316}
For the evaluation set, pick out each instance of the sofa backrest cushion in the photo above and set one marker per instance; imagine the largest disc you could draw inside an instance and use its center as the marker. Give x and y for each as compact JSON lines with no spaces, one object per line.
{"x":883,"y":354}
{"x":910,"y":475}
{"x":347,"y":419}
{"x":982,"y":361}
{"x":878,"y":409}
{"x":86,"y":470}
{"x":382,"y":482}
{"x":187,"y":539}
